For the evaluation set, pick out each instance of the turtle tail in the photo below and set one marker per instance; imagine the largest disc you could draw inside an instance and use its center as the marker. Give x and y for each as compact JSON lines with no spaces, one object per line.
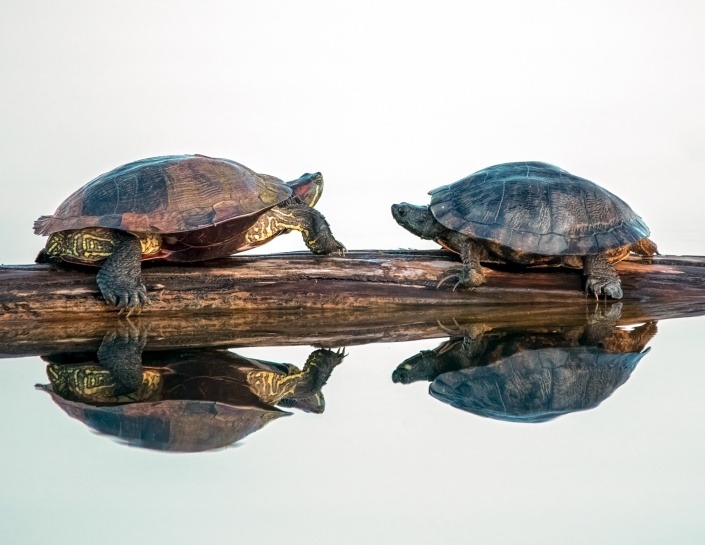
{"x":41,"y":226}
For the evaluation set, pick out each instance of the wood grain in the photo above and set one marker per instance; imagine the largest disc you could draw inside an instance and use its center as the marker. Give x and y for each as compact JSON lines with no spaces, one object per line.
{"x":298,"y":298}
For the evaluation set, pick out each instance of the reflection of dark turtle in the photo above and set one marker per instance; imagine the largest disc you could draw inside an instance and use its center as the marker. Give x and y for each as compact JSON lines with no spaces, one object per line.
{"x":177,"y":208}
{"x":532,"y":375}
{"x":531,"y":214}
{"x":192,"y":400}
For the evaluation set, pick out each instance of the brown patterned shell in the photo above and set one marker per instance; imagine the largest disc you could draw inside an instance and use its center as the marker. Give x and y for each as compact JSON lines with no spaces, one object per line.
{"x":170,"y":194}
{"x":177,"y":425}
{"x":539,"y":209}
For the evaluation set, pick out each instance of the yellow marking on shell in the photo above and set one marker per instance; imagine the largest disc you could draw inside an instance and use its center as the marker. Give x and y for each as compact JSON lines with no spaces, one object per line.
{"x":272,"y":223}
{"x":95,"y":244}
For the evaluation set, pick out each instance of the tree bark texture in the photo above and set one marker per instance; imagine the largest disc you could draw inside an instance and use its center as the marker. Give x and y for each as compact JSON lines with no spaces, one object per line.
{"x":298,"y":298}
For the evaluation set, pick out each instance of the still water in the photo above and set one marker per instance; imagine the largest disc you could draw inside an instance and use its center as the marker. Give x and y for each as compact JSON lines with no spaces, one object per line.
{"x":586,"y":430}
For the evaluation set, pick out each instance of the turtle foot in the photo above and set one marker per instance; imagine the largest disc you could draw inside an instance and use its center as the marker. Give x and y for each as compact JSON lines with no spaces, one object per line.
{"x":466,"y":278}
{"x":609,"y":287}
{"x":326,"y":246}
{"x":124,"y":293}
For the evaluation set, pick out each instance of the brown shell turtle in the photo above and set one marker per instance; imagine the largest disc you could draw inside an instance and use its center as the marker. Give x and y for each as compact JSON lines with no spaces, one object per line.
{"x":531,"y":214}
{"x":185,"y":400}
{"x":177,"y":208}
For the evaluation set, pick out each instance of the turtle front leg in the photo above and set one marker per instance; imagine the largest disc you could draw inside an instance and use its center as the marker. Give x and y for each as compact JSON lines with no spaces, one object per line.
{"x":120,"y":279}
{"x":471,"y":274}
{"x":273,"y":387}
{"x":310,"y":223}
{"x":601,"y":278}
{"x":121,"y":354}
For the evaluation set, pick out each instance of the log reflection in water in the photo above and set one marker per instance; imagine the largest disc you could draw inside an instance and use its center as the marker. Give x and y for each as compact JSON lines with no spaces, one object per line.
{"x":326,"y":328}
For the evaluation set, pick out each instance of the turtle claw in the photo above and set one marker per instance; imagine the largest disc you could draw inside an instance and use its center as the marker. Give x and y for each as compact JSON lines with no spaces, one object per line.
{"x":326,"y":246}
{"x":126,"y":298}
{"x":608,"y":287}
{"x":341,"y":353}
{"x":470,"y":278}
{"x":446,"y":278}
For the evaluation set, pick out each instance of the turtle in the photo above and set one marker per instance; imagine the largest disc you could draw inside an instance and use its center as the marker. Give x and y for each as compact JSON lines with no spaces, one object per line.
{"x":178,"y":208}
{"x":532,"y":374}
{"x":116,"y":372}
{"x":186,"y":400}
{"x":530,"y":214}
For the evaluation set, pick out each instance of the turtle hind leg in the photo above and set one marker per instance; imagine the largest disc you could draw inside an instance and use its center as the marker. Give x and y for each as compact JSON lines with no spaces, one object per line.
{"x":309,"y":222}
{"x":119,"y":279}
{"x":601,"y":278}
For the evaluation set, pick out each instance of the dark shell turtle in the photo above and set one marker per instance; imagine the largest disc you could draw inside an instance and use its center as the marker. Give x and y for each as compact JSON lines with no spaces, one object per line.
{"x":531,"y":375}
{"x":531,"y":214}
{"x":178,"y":208}
{"x":537,"y":385}
{"x":187,"y":400}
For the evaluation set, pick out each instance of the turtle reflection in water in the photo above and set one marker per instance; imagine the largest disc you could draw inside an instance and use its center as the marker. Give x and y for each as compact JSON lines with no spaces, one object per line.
{"x":188,"y":400}
{"x":532,"y":375}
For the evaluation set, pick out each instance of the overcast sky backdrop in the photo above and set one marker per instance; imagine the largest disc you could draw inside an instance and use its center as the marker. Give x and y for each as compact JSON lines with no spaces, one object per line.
{"x":387,"y":99}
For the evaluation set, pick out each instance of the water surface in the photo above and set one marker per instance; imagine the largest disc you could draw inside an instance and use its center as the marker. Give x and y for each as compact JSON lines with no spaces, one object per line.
{"x":384,"y":462}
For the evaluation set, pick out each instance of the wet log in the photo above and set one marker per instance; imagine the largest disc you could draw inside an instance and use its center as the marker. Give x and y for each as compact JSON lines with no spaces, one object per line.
{"x":381,"y":280}
{"x":297,"y":298}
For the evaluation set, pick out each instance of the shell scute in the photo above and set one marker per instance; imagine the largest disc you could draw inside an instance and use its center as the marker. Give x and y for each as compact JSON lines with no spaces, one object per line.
{"x":537,"y":208}
{"x":167,"y":194}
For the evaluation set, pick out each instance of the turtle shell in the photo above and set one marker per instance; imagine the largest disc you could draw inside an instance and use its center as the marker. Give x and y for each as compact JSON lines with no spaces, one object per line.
{"x":537,"y":208}
{"x":537,"y":385}
{"x":178,"y":425}
{"x":170,"y":194}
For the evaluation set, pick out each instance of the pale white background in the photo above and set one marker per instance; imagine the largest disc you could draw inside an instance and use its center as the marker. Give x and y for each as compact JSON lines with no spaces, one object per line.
{"x":387,"y":99}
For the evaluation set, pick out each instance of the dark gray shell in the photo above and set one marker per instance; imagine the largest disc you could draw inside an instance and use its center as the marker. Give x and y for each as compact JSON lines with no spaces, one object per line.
{"x":537,"y":385}
{"x":537,"y":208}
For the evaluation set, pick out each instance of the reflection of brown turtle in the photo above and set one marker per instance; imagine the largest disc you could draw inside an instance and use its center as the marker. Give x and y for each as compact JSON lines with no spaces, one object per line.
{"x":177,"y":208}
{"x":533,"y":375}
{"x":189,"y":400}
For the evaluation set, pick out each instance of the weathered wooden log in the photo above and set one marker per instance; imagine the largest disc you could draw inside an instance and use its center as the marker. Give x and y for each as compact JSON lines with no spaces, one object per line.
{"x":362,"y":279}
{"x":301,"y":299}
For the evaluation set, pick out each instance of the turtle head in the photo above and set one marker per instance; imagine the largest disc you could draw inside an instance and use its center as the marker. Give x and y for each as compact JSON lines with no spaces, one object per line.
{"x":422,"y":366}
{"x":308,"y":187}
{"x":418,"y":220}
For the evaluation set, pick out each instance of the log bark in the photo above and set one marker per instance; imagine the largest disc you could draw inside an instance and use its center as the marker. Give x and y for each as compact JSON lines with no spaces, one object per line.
{"x":362,"y":279}
{"x":298,"y":298}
